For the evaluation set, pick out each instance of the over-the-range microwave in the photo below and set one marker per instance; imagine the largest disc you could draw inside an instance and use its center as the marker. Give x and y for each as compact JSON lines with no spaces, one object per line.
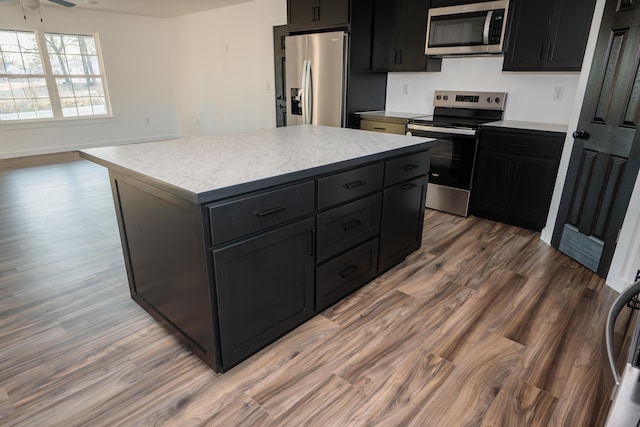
{"x":472,"y":29}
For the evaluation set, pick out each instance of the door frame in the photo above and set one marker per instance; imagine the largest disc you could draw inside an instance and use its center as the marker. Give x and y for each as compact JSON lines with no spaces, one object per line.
{"x":599,"y":46}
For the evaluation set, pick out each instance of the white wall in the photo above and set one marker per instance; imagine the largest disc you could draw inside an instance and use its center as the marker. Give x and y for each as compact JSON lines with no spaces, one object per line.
{"x":227,"y":84}
{"x":139,"y":58}
{"x":530,"y":95}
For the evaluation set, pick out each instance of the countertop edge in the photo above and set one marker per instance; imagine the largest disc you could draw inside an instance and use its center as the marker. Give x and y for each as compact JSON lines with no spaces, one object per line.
{"x":261,"y":184}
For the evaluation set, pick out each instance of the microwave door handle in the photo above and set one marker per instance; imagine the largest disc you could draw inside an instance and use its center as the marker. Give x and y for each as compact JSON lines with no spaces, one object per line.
{"x":487,"y":27}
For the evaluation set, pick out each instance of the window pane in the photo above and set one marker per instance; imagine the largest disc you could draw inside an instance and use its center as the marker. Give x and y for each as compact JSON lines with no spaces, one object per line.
{"x":33,"y":63}
{"x":69,"y":107}
{"x":39,"y":88}
{"x":8,"y":110}
{"x":71,"y":45}
{"x":75,"y":65}
{"x":87,"y":45}
{"x":13,"y":63}
{"x":9,"y":41}
{"x":95,"y":87}
{"x":91,"y":64}
{"x":54,"y":44}
{"x":99,"y":106}
{"x":80,"y":87}
{"x":26,"y":109}
{"x":59,"y":64}
{"x":65,"y":88}
{"x":20,"y":88}
{"x":28,"y":42}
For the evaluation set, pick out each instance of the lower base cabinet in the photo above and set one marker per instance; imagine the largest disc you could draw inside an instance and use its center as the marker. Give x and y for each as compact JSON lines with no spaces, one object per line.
{"x":265,"y":286}
{"x":402,"y":221}
{"x":515,"y":175}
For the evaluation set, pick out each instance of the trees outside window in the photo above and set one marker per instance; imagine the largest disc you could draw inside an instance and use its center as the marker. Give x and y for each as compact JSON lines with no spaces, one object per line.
{"x":64,"y":79}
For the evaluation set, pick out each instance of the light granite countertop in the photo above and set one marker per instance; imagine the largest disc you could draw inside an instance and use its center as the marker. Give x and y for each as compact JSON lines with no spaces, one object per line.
{"x":210,"y":168}
{"x":516,"y":124}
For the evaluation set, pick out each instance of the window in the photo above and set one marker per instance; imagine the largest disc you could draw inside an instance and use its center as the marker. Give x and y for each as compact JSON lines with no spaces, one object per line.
{"x":63,"y":80}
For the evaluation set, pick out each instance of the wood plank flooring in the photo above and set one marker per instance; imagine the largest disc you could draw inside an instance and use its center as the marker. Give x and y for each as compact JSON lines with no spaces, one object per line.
{"x":484,"y":326}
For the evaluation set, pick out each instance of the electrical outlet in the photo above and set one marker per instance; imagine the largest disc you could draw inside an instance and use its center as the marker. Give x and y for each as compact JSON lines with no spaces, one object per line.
{"x":558,"y":93}
{"x":405,"y":89}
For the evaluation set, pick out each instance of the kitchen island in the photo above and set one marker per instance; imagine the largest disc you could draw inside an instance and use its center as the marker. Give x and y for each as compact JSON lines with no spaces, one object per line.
{"x":231,"y":241}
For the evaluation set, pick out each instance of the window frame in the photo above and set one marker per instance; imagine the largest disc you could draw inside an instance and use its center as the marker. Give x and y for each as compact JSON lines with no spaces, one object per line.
{"x":50,"y":79}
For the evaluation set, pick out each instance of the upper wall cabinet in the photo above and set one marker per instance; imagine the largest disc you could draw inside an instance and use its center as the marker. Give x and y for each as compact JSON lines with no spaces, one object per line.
{"x":399,"y":35}
{"x":311,"y":14}
{"x":547,"y":35}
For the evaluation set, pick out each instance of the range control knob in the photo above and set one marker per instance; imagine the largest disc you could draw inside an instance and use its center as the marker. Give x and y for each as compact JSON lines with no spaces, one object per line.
{"x":446,"y":97}
{"x":497,"y":100}
{"x":489,"y":100}
{"x":439,"y":97}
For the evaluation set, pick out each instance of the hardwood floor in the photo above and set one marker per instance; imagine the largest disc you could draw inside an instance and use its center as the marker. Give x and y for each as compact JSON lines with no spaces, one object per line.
{"x":484,"y":326}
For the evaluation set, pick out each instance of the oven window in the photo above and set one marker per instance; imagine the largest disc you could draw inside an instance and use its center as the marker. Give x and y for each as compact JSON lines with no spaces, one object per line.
{"x":452,"y":162}
{"x":465,"y":29}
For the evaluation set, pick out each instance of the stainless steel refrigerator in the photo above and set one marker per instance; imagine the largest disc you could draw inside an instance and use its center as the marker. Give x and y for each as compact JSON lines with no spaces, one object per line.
{"x":316,"y":69}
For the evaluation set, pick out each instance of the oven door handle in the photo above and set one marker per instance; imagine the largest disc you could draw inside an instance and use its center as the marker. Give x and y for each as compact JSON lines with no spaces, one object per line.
{"x":453,"y":131}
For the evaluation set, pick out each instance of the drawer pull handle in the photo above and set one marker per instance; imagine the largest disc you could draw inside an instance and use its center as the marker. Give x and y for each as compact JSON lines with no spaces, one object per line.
{"x":349,"y":271}
{"x":311,"y":242}
{"x":354,"y":184}
{"x":269,"y":211}
{"x":377,"y":128}
{"x":408,"y":186}
{"x":517,"y":145}
{"x":351,"y":225}
{"x":408,"y":168}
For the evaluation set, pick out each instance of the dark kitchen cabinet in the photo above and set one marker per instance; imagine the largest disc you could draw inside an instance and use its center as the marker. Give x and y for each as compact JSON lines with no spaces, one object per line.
{"x":317,"y":13}
{"x":547,"y":35}
{"x":402,"y":217}
{"x":265,"y":288}
{"x":445,"y":3}
{"x":399,"y":35}
{"x":403,"y":208}
{"x":515,"y":175}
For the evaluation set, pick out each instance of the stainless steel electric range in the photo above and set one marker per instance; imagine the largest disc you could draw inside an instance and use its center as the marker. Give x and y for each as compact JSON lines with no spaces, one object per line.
{"x":454,"y":123}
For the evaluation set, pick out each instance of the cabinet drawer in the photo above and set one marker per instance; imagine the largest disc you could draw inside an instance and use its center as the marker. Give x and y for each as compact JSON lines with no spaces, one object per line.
{"x":535,"y":144}
{"x":406,"y":167}
{"x":345,"y":186}
{"x":343,"y":275}
{"x":342,"y":228}
{"x":386,"y":127}
{"x":245,"y":216}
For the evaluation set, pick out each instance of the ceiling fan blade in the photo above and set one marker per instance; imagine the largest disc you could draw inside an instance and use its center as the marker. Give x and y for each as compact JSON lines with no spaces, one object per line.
{"x":63,"y":3}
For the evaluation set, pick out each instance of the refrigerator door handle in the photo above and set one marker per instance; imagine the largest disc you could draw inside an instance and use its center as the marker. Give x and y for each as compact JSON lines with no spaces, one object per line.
{"x":309,"y":94}
{"x":303,"y":92}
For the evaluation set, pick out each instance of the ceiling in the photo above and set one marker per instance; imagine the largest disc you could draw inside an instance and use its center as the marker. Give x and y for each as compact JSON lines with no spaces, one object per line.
{"x":154,"y":8}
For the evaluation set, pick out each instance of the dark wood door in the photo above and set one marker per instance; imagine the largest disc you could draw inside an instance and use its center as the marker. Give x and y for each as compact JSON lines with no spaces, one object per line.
{"x":264,"y":288}
{"x":606,"y":153}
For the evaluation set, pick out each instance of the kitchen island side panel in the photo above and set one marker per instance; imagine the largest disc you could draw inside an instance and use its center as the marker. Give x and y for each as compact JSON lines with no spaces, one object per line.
{"x":166,"y":259}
